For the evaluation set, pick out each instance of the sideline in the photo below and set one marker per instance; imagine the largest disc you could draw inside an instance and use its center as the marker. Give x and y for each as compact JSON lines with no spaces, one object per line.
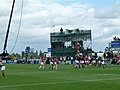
{"x":36,"y":84}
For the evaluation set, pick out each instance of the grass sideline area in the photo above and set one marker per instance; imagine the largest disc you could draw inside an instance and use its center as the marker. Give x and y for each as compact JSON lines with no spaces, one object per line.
{"x":29,"y":77}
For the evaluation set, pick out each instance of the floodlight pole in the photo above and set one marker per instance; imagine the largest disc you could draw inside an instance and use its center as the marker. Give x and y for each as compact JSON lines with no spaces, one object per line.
{"x":9,"y":23}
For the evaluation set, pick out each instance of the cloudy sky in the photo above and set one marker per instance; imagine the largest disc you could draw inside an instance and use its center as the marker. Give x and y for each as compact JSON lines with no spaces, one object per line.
{"x":101,"y":16}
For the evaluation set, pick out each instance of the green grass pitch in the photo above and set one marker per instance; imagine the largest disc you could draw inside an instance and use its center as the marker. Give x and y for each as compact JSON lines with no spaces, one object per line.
{"x":29,"y":77}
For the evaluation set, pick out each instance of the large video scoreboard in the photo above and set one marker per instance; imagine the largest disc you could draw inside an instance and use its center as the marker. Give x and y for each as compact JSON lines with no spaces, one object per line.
{"x":115,"y":44}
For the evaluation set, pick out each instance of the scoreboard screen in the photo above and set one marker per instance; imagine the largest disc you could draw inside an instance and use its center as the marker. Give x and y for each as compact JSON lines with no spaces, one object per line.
{"x":115,"y":43}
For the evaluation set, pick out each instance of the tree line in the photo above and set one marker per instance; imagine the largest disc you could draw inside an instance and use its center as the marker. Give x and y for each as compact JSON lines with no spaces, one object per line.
{"x":27,"y":55}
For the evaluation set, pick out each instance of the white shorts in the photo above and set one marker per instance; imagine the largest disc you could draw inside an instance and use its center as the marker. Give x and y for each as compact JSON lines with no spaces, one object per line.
{"x":86,"y":62}
{"x":76,"y":61}
{"x":3,"y":68}
{"x":102,"y":63}
{"x":82,"y":62}
{"x":42,"y":63}
{"x":51,"y":63}
{"x":93,"y":62}
{"x":55,"y":62}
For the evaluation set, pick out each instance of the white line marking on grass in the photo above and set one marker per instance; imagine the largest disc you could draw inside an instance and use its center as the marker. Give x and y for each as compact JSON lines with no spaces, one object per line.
{"x":36,"y":84}
{"x":108,"y":74}
{"x":102,"y":79}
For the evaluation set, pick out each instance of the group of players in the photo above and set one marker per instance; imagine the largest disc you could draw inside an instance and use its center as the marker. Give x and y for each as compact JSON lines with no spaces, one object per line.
{"x":53,"y":63}
{"x":79,"y":62}
{"x":89,"y":61}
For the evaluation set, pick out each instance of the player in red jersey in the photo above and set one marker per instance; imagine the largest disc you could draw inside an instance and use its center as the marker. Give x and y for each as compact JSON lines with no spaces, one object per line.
{"x":42,"y":63}
{"x":55,"y":63}
{"x":0,"y":61}
{"x":86,"y":58}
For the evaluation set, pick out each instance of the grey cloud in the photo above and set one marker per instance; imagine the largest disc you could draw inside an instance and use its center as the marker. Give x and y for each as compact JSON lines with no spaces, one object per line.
{"x":109,"y":13}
